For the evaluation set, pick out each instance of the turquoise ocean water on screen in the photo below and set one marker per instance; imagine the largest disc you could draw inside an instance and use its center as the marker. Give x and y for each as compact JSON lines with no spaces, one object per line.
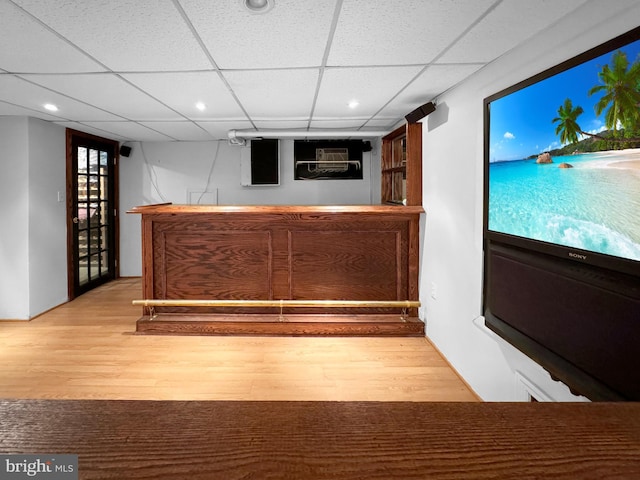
{"x":594,"y":206}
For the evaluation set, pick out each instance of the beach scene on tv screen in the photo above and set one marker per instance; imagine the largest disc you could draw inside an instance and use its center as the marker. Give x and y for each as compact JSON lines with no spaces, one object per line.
{"x":564,"y":157}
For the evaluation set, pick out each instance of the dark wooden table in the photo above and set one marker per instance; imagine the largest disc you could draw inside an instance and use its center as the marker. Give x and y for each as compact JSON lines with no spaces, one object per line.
{"x":331,"y":440}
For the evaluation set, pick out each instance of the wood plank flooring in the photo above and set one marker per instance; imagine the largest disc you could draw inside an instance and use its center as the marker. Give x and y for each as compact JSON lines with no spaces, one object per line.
{"x":88,"y":349}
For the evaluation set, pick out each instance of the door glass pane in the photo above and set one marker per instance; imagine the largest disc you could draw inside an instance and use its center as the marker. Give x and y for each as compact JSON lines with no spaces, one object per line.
{"x":93,"y":161}
{"x":104,"y":257}
{"x":104,"y":187}
{"x":82,"y":160}
{"x":83,"y":270}
{"x":104,"y":213}
{"x":83,"y":215}
{"x":94,"y":214}
{"x":95,"y":266}
{"x":94,"y":187}
{"x":104,"y":240}
{"x":94,"y":240}
{"x":82,"y":187}
{"x":83,"y":243}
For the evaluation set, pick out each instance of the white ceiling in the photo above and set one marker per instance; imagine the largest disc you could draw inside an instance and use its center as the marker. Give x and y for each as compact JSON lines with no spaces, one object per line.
{"x":134,"y":69}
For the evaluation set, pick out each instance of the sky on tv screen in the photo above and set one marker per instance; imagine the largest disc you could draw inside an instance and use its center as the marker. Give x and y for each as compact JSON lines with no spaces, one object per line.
{"x":521,"y":123}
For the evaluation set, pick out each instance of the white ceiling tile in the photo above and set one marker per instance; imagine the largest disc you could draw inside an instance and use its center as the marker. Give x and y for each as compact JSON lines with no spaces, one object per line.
{"x":28,"y":46}
{"x":395,"y":32}
{"x":187,"y":131}
{"x":507,"y":26}
{"x":281,"y":124}
{"x":20,"y":92}
{"x":130,"y":131}
{"x":220,"y":130}
{"x":270,"y":63}
{"x":108,"y":92}
{"x":125,"y":35}
{"x":94,"y":131}
{"x":388,"y":124}
{"x":338,"y":123}
{"x":8,"y":109}
{"x":264,"y":92}
{"x":431,"y":83}
{"x":181,"y":91}
{"x":372,"y":87}
{"x":293,"y":34}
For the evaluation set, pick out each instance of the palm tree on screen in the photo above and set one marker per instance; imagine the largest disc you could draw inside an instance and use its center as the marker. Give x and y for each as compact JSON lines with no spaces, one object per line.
{"x":620,"y":85}
{"x":568,"y":128}
{"x":621,"y":94}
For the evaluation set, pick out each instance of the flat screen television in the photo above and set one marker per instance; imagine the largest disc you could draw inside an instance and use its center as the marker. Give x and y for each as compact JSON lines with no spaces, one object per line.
{"x":562,"y":217}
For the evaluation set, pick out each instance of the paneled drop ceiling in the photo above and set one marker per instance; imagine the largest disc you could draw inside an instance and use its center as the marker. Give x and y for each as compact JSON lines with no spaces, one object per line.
{"x":133,"y":70}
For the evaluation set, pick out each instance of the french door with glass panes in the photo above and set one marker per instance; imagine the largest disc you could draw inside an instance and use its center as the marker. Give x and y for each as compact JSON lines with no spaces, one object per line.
{"x":92,"y":210}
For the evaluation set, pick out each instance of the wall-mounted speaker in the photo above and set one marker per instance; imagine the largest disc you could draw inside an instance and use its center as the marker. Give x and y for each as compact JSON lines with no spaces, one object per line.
{"x":260,"y":163}
{"x":125,"y":151}
{"x":420,"y":112}
{"x":586,"y":315}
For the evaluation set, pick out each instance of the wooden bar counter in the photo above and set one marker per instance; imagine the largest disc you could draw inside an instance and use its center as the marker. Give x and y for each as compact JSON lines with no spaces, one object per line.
{"x":362,"y":252}
{"x":329,"y":440}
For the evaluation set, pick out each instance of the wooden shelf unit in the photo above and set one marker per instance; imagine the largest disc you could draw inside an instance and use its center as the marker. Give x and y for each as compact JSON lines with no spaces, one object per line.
{"x":402,"y":165}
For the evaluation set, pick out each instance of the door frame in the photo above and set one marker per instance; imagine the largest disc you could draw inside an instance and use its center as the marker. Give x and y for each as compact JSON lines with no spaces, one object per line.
{"x":71,"y":134}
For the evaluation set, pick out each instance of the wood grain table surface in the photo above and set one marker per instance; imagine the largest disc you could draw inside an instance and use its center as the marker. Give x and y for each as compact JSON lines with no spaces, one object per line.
{"x":120,"y":439}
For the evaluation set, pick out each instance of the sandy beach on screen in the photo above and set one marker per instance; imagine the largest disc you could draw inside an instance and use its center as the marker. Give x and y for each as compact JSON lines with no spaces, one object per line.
{"x":629,"y":158}
{"x":626,"y":164}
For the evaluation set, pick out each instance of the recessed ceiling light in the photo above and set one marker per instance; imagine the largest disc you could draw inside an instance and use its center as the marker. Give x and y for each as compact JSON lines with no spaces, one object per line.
{"x":353,"y":103}
{"x":258,"y":6}
{"x":51,"y":107}
{"x":201,"y":106}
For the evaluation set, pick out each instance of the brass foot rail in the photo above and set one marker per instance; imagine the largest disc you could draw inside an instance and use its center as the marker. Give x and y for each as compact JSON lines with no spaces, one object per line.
{"x":279,"y":303}
{"x":403,"y":304}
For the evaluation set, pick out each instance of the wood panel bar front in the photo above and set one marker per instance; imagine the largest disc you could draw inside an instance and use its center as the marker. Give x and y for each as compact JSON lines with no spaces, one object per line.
{"x":279,"y":253}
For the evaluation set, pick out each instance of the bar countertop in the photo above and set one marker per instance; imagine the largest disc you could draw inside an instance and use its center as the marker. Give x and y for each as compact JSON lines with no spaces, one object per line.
{"x":168,"y":208}
{"x":329,"y":440}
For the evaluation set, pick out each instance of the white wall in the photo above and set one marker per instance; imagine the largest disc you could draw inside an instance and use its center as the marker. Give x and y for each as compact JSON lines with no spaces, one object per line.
{"x":47,"y":216}
{"x":167,"y":172}
{"x":14,"y":224}
{"x":33,"y":276}
{"x":451,"y":267}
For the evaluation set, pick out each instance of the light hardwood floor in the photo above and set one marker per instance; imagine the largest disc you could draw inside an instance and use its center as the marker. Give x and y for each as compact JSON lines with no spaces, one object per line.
{"x":87,"y":349}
